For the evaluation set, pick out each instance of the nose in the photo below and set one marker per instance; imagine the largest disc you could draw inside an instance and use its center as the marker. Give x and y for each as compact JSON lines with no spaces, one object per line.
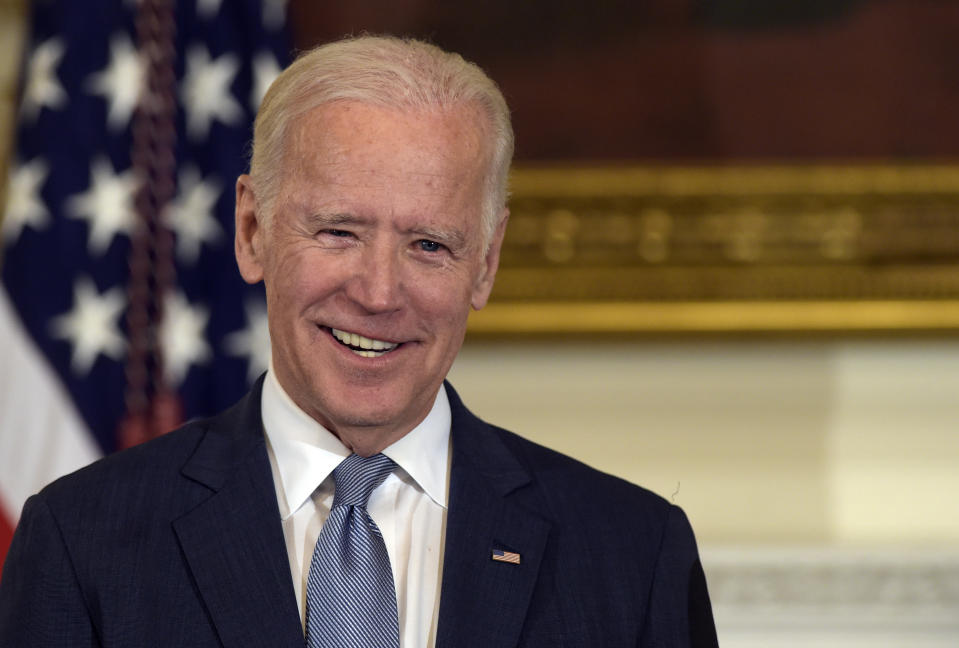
{"x":377,"y":285}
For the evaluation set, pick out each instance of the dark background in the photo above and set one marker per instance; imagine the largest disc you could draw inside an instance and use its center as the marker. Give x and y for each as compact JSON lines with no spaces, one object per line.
{"x":682,"y":81}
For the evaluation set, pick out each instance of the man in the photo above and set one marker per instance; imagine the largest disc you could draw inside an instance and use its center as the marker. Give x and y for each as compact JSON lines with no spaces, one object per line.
{"x":374,"y":213}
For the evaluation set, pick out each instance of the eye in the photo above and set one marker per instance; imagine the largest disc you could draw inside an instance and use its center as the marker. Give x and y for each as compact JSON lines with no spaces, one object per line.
{"x":335,"y":238}
{"x":429,"y":246}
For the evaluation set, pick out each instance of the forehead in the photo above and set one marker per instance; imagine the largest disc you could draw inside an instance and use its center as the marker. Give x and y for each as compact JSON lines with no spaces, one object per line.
{"x":410,"y":170}
{"x":363,"y":138}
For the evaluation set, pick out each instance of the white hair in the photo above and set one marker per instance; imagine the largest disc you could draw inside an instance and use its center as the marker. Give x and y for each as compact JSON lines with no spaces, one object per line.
{"x":383,"y":71}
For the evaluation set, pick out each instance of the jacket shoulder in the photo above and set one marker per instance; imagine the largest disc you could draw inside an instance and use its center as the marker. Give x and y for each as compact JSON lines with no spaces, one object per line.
{"x":158,"y":463}
{"x":134,"y":487}
{"x":565,"y":486}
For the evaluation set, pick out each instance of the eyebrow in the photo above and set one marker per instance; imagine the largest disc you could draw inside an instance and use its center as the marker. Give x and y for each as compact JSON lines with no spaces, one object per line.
{"x":339,"y":218}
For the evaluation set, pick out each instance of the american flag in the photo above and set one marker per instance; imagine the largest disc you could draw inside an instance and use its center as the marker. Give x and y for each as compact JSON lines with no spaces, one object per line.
{"x":121,"y":309}
{"x":500,"y":555}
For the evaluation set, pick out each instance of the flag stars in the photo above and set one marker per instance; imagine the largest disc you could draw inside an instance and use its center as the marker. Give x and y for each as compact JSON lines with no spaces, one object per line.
{"x":108,"y":205}
{"x":274,"y":13}
{"x":206,"y":91}
{"x":43,"y":88}
{"x":252,"y":342}
{"x":265,"y":70}
{"x":120,"y":83}
{"x":182,"y":337}
{"x":91,"y":326}
{"x":24,"y":207}
{"x":191,"y":215}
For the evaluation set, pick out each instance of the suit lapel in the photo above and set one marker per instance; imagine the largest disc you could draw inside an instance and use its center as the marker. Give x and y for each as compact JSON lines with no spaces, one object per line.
{"x":233,"y":541}
{"x":484,"y":602}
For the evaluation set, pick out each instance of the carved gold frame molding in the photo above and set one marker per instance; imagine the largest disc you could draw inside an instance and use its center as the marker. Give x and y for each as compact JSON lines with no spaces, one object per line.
{"x":729,"y":249}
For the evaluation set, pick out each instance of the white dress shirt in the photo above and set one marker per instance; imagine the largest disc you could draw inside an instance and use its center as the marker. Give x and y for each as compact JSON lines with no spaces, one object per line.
{"x":409,"y":507}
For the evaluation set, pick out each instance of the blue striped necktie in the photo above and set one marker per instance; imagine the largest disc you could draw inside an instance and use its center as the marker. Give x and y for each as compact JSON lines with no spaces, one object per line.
{"x":350,"y":597}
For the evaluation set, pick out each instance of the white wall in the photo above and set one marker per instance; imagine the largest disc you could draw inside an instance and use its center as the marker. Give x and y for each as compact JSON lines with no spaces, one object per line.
{"x":826,"y":441}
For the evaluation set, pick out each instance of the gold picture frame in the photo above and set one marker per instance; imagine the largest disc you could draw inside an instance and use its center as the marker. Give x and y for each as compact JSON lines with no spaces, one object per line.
{"x":728,"y":249}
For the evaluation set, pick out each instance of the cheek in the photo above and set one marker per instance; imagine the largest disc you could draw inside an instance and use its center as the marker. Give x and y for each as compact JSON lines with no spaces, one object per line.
{"x":297,"y":278}
{"x":445,"y":299}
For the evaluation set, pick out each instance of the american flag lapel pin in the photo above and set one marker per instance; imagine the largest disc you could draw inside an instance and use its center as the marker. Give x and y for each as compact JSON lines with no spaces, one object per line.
{"x":510,"y":557}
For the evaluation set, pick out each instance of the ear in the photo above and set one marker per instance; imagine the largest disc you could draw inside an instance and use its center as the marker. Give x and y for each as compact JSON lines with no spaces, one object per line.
{"x":484,"y":282}
{"x":248,"y":244}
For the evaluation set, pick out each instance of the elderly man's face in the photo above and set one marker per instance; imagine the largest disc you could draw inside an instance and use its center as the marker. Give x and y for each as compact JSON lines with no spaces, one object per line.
{"x":372,"y":262}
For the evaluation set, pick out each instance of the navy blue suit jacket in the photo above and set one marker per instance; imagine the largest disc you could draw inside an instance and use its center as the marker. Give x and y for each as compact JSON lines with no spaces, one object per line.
{"x":178,"y":543}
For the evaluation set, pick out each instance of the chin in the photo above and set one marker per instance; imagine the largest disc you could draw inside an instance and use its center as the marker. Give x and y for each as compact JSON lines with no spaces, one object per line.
{"x":344,"y":402}
{"x":366,"y":409}
{"x":360,"y":411}
{"x":364,"y":420}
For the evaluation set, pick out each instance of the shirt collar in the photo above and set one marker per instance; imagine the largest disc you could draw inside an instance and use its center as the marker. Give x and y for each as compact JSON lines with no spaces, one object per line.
{"x":306,"y":452}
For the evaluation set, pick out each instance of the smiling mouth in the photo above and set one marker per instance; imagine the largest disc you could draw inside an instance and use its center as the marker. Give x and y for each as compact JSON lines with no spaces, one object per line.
{"x":363,"y":346}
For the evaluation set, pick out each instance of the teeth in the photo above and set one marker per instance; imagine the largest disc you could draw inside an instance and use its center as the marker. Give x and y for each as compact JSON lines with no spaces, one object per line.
{"x":370,"y":348}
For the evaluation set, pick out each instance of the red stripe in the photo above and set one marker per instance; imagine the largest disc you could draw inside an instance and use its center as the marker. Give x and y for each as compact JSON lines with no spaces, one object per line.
{"x":6,"y":535}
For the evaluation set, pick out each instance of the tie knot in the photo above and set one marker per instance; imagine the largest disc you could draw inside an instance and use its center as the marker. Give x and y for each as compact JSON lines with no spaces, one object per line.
{"x":356,"y":477}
